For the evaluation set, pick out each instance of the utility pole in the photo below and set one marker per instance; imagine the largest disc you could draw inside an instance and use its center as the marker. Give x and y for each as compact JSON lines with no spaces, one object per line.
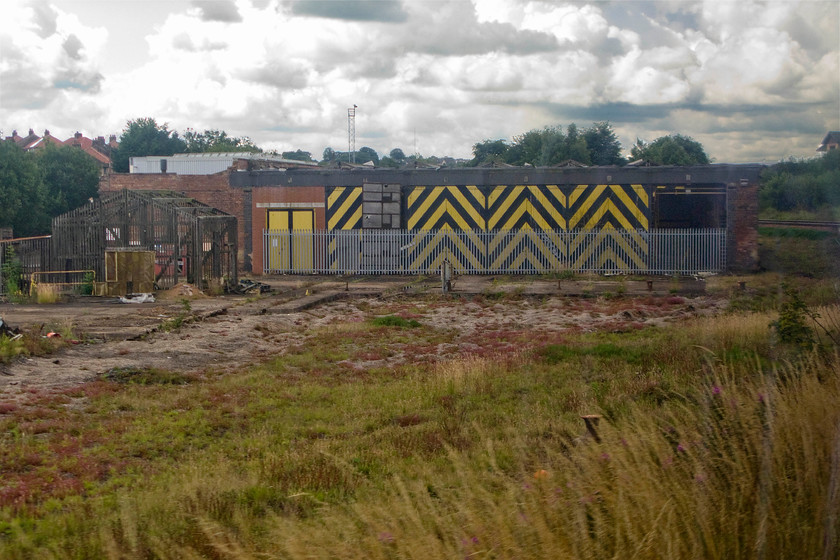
{"x":351,"y":133}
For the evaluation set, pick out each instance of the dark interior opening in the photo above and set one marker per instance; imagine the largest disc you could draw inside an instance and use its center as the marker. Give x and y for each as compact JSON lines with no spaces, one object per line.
{"x":685,"y":210}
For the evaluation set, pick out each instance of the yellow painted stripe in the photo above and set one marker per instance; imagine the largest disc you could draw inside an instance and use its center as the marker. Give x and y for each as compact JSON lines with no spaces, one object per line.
{"x":517,"y":214}
{"x":415,"y":193}
{"x":418,"y":213}
{"x":608,"y":207}
{"x":495,"y":194}
{"x":334,"y":196}
{"x":467,"y":205}
{"x":550,"y":208}
{"x":512,"y":198}
{"x":642,"y":194}
{"x":576,"y":193}
{"x":478,"y":195}
{"x":432,"y":221}
{"x":503,"y":256}
{"x":631,"y":206}
{"x":354,"y":195}
{"x":555,"y":191}
{"x":586,"y":205}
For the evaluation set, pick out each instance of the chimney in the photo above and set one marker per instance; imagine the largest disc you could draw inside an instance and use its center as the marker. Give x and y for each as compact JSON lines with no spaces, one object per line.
{"x":77,"y":135}
{"x":112,"y":138}
{"x":46,"y":132}
{"x":31,"y":132}
{"x":14,"y":133}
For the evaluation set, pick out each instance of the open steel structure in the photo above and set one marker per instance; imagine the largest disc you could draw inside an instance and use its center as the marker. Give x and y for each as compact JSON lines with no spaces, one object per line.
{"x":192,"y":242}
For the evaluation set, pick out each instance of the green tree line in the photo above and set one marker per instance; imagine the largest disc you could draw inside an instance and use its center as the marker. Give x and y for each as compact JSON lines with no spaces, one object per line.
{"x":39,"y":185}
{"x":803,"y":185}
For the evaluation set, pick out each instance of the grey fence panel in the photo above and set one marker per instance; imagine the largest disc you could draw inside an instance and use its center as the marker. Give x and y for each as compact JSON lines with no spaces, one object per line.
{"x":494,"y":252}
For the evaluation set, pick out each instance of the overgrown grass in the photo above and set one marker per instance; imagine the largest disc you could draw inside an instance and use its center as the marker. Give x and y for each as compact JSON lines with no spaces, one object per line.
{"x":716,"y":441}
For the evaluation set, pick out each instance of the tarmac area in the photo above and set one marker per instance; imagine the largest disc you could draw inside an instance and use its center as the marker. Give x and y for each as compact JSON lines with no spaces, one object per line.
{"x":231,"y":331}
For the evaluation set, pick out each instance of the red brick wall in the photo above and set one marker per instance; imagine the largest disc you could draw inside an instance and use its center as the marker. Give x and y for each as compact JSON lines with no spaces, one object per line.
{"x":742,"y":227}
{"x":212,"y":190}
{"x":266,"y":198}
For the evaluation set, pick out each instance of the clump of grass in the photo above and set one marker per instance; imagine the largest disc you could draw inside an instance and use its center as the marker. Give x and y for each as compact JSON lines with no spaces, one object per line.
{"x":394,"y":321}
{"x":146,"y":376}
{"x":46,"y":294}
{"x":10,"y":347}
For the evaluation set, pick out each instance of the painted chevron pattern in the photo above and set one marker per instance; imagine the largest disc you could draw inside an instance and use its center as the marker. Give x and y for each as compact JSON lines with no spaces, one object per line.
{"x":430,"y":248}
{"x":608,"y":250}
{"x":518,"y":206}
{"x":446,"y":207}
{"x":344,"y":208}
{"x":619,"y":206}
{"x":524,"y":250}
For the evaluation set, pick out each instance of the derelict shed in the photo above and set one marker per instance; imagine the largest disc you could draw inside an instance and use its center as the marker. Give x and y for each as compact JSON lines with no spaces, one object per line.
{"x":192,"y":242}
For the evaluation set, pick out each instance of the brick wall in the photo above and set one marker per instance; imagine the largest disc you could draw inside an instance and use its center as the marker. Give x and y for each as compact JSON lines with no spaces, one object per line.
{"x":742,"y":227}
{"x":212,"y":190}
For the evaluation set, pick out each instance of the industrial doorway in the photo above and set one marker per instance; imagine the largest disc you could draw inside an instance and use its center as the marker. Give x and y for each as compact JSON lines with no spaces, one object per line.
{"x":291,"y":240}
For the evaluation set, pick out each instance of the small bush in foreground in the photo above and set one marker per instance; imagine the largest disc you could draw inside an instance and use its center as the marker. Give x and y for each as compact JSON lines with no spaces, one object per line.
{"x":394,"y":321}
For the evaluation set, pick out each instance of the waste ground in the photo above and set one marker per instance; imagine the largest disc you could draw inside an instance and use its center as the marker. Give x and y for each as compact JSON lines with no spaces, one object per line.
{"x":197,"y":334}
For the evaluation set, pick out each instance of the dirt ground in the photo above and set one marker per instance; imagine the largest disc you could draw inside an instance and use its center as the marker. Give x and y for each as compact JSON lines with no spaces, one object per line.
{"x":229,"y":332}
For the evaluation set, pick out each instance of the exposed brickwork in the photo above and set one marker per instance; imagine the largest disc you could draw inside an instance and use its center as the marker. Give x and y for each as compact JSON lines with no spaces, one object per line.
{"x":213,"y":190}
{"x":742,"y":227}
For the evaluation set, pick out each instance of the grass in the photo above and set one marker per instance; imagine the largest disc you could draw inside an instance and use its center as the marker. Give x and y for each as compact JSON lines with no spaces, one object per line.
{"x":716,"y":442}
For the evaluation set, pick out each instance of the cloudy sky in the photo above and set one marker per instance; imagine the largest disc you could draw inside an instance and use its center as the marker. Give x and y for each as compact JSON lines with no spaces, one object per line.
{"x":752,"y":81}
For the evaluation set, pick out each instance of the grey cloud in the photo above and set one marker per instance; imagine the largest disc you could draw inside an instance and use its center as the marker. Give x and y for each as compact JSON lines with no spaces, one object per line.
{"x":281,"y":74}
{"x":459,"y":39}
{"x":72,"y":46}
{"x":77,"y":78}
{"x":45,"y":18}
{"x":218,"y":10}
{"x":23,"y":88}
{"x":387,"y":11}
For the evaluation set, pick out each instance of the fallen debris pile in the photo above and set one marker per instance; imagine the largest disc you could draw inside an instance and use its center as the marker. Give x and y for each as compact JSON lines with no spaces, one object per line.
{"x":138,"y":298}
{"x":246,"y":286}
{"x":8,"y":331}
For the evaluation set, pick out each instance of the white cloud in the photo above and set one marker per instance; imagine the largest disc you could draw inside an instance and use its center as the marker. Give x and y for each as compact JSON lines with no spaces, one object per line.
{"x":455,"y":72}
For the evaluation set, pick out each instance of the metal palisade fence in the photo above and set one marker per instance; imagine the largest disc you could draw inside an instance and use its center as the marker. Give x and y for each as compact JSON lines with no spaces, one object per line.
{"x":523,"y":251}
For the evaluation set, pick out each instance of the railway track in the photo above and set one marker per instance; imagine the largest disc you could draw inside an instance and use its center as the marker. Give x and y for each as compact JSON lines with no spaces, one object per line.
{"x":801,"y":224}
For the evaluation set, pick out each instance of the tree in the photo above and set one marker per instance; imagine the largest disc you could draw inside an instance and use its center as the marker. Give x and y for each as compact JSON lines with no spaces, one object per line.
{"x":22,"y":192}
{"x":674,"y":149}
{"x":489,"y":151}
{"x":397,"y":155}
{"x":603,"y":145}
{"x":144,"y":137}
{"x":297,"y":155}
{"x":366,"y":154}
{"x":217,"y":141}
{"x":328,"y":156}
{"x":809,"y":185}
{"x":71,"y":177}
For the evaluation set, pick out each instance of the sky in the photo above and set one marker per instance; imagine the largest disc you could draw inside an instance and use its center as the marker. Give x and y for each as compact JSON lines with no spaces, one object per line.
{"x":751,"y":81}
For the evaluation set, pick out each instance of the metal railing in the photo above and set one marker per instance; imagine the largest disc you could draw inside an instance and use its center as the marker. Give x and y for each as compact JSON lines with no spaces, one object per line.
{"x":606,"y":251}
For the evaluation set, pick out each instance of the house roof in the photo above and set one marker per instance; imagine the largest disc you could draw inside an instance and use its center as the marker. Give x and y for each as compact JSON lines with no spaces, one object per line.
{"x":86,"y":145}
{"x":833,"y":137}
{"x":41,"y":141}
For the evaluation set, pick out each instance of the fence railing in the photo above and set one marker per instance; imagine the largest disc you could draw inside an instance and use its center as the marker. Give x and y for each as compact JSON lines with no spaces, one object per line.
{"x":23,"y":256}
{"x":677,"y":251}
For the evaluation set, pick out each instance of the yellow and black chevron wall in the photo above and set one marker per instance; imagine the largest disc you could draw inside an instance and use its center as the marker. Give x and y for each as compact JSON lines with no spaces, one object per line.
{"x":598,"y":211}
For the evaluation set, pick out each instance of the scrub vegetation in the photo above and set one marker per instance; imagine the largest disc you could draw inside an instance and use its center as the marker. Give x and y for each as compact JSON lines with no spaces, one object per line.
{"x":712,"y":437}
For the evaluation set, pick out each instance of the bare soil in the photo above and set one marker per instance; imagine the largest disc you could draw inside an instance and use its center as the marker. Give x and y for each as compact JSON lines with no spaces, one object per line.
{"x":227,"y":333}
